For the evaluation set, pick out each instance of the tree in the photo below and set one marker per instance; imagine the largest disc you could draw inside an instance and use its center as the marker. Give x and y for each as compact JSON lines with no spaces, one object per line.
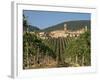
{"x":25,"y":23}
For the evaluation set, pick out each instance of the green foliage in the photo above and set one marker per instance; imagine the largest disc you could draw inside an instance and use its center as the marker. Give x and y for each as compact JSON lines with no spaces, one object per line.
{"x":66,"y":51}
{"x":34,"y":46}
{"x":80,"y":47}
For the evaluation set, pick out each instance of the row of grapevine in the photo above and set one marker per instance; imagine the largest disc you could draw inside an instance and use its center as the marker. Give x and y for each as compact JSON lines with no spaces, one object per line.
{"x":35,"y":51}
{"x":58,"y":45}
{"x":73,"y":51}
{"x":63,"y":52}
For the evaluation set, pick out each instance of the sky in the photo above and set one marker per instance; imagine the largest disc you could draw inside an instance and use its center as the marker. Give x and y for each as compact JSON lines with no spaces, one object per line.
{"x":44,"y":19}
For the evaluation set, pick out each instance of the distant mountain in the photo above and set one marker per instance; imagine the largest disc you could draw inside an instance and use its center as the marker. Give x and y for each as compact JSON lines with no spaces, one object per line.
{"x":71,"y":25}
{"x":31,"y":28}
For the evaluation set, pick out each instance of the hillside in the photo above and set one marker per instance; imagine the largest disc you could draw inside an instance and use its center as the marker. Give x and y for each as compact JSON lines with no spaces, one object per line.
{"x":71,"y":25}
{"x":31,"y":28}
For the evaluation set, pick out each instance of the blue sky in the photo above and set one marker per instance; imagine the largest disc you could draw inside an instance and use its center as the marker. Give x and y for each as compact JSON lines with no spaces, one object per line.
{"x":43,"y":19}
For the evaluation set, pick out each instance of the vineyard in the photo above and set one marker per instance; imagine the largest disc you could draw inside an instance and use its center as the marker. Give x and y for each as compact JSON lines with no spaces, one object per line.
{"x":56,"y":52}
